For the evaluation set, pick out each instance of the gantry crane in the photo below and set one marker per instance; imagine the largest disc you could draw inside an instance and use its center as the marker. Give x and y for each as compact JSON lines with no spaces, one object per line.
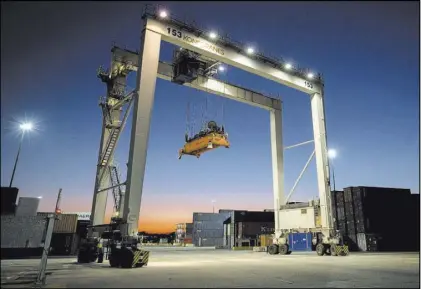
{"x":209,"y":49}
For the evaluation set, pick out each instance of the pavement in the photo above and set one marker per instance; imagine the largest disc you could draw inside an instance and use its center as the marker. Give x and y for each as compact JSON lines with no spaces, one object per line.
{"x":223,"y":268}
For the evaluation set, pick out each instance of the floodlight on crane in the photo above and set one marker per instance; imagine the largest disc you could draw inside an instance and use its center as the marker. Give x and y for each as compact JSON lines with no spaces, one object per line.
{"x":212,"y":35}
{"x":250,"y":50}
{"x":163,"y":14}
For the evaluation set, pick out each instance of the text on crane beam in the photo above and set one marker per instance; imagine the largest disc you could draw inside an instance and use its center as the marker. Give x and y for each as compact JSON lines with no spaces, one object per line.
{"x":196,"y":42}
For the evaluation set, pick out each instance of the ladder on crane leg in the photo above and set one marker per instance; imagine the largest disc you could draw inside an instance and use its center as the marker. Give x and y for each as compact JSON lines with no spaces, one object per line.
{"x":115,"y":181}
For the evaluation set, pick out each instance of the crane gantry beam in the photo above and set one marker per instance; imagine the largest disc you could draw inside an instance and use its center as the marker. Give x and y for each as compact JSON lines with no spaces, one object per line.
{"x":211,"y":85}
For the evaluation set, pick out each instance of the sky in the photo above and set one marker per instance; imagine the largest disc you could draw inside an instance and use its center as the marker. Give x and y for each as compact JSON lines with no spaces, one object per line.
{"x":368,"y":53}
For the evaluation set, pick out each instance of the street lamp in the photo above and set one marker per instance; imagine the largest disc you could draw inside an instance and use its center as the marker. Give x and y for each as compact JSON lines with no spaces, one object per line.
{"x":24,"y":127}
{"x":332,"y":155}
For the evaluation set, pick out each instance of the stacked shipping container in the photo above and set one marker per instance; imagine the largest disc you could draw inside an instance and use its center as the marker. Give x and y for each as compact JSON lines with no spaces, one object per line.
{"x":208,"y":229}
{"x":22,"y":236}
{"x":371,"y":218}
{"x":8,"y":200}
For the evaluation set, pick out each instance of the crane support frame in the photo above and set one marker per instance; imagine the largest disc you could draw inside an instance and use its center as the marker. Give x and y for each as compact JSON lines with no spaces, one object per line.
{"x":149,"y":68}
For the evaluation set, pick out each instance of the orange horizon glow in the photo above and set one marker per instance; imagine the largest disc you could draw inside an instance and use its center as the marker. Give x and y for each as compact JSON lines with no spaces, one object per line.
{"x":150,"y":225}
{"x":161,"y":215}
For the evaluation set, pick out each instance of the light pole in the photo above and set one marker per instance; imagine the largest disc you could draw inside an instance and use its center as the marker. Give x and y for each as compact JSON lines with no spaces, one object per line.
{"x":332,"y":154}
{"x":24,"y":128}
{"x":213,"y":206}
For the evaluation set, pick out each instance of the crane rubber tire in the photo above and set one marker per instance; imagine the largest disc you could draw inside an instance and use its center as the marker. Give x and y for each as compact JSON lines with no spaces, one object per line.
{"x":283,"y":249}
{"x":273,"y":249}
{"x":333,"y":250}
{"x":320,"y":249}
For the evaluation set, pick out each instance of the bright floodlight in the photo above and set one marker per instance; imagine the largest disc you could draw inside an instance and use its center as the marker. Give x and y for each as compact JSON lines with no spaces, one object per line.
{"x":163,"y":14}
{"x":250,"y":50}
{"x":310,"y":75}
{"x":40,"y":197}
{"x":221,"y":68}
{"x":26,"y":126}
{"x":288,"y":66}
{"x":212,"y":35}
{"x":331,"y":153}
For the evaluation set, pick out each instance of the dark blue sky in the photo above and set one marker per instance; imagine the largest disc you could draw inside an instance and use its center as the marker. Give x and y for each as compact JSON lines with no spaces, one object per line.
{"x":368,"y":53}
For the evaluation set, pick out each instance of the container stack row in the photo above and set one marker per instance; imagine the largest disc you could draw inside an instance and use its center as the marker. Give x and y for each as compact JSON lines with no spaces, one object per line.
{"x":373,"y":219}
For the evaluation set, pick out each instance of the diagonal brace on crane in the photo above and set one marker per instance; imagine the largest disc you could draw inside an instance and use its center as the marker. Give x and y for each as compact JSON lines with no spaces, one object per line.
{"x":299,"y":144}
{"x":123,"y":101}
{"x":299,"y":177}
{"x":112,"y":187}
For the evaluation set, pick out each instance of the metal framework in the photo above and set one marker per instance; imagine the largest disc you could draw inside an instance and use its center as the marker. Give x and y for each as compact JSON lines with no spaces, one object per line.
{"x":148,"y":66}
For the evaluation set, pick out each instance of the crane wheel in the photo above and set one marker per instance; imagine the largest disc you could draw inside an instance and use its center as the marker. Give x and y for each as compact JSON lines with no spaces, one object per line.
{"x":320,"y":249}
{"x":113,"y":260}
{"x":82,"y":257}
{"x":333,"y":250}
{"x":283,"y":249}
{"x":126,"y":258}
{"x":139,"y":265}
{"x":273,"y":249}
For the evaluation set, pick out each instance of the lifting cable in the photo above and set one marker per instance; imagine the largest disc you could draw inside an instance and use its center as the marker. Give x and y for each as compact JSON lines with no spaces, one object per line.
{"x":223,"y":101}
{"x":204,"y":112}
{"x":188,"y":117}
{"x":193,"y":123}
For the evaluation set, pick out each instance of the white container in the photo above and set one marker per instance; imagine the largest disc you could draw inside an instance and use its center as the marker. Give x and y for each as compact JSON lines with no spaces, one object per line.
{"x":27,"y":206}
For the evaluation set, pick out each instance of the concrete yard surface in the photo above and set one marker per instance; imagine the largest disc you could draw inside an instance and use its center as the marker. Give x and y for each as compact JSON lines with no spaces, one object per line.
{"x":221,"y":268}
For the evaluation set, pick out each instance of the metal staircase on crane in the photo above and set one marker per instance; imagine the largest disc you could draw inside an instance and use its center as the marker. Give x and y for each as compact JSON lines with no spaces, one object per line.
{"x":116,"y":190}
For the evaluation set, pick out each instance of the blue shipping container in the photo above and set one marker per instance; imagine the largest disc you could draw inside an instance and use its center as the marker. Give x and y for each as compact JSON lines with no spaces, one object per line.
{"x":300,"y":241}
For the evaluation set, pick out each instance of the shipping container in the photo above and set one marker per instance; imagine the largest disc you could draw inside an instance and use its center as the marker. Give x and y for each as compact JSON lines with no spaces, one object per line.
{"x":208,"y":233}
{"x":300,"y":241}
{"x":22,"y":231}
{"x":64,"y":243}
{"x":373,"y":210}
{"x":367,"y":242}
{"x":266,"y":240}
{"x":208,"y":242}
{"x":8,"y":200}
{"x":27,"y":206}
{"x":208,"y":228}
{"x":67,"y":223}
{"x":188,"y":241}
{"x":210,"y":217}
{"x":252,"y":229}
{"x":351,"y":241}
{"x":82,"y":228}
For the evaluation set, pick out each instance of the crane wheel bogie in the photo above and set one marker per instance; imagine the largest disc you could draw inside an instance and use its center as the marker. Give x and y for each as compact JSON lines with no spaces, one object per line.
{"x":128,"y":258}
{"x":320,"y":249}
{"x":273,"y":249}
{"x":283,"y":249}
